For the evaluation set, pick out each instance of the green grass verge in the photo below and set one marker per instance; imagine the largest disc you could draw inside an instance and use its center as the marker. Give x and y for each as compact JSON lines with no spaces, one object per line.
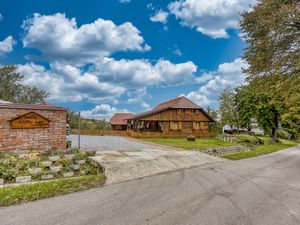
{"x":262,"y":150}
{"x":200,"y":143}
{"x":31,"y":192}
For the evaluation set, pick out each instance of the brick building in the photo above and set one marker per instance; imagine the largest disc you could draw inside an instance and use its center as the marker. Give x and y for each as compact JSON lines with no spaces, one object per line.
{"x":32,"y":127}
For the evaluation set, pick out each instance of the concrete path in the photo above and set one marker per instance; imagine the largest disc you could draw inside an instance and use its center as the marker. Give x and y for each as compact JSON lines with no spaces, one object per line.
{"x":130,"y":165}
{"x":258,"y":191}
{"x":127,"y":159}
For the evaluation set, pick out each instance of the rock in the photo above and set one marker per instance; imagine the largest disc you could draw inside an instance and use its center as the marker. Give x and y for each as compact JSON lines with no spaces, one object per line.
{"x":191,"y":138}
{"x":1,"y":181}
{"x":47,"y":164}
{"x":55,"y":169}
{"x":75,"y":167}
{"x":23,"y":179}
{"x":47,"y":176}
{"x":70,"y":156}
{"x":82,"y":172}
{"x":35,"y":171}
{"x":80,"y":162}
{"x":54,"y":158}
{"x":69,"y":174}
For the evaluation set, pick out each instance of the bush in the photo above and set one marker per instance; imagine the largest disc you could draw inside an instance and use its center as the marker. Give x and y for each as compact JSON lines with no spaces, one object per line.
{"x":283,"y":134}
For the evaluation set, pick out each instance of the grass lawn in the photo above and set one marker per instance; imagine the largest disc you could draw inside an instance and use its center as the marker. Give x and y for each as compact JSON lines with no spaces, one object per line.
{"x":262,"y":149}
{"x":200,"y":143}
{"x":31,"y":192}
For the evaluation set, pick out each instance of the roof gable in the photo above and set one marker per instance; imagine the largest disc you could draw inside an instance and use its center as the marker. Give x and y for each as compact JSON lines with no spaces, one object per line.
{"x":121,"y":118}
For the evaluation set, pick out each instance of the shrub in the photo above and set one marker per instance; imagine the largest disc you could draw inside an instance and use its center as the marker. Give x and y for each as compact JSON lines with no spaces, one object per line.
{"x":283,"y":134}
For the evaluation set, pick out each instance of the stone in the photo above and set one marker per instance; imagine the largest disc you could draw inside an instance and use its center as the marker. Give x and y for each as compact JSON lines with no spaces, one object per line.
{"x":1,"y":181}
{"x":54,"y":158}
{"x":82,"y":172}
{"x":80,"y":162}
{"x":47,"y":164}
{"x":55,"y":169}
{"x":191,"y":138}
{"x":35,"y":171}
{"x":23,"y":179}
{"x":70,"y":156}
{"x":47,"y":176}
{"x":75,"y":167}
{"x":68,"y":174}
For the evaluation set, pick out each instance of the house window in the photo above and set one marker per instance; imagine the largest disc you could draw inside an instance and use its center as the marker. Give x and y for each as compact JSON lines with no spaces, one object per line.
{"x":193,"y":111}
{"x":175,"y":125}
{"x":179,"y":111}
{"x":203,"y":125}
{"x":196,"y":125}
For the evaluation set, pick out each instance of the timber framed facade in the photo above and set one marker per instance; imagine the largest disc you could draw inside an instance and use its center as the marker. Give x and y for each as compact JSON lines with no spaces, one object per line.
{"x":177,"y":117}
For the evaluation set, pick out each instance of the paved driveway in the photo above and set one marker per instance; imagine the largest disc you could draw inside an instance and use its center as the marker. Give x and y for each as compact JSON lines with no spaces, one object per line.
{"x":258,"y":191}
{"x":127,"y":159}
{"x":107,"y":143}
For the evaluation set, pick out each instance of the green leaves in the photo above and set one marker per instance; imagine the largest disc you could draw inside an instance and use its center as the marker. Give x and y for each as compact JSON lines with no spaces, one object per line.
{"x":12,"y":89}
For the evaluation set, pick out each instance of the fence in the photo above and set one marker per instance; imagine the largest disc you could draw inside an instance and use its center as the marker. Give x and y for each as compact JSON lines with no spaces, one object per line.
{"x":142,"y":134}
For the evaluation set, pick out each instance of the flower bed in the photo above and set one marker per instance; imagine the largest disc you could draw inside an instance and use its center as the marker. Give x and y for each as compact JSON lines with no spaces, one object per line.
{"x":37,"y":166}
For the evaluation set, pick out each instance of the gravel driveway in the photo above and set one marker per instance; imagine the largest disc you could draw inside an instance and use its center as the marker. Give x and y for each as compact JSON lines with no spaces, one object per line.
{"x":108,"y":143}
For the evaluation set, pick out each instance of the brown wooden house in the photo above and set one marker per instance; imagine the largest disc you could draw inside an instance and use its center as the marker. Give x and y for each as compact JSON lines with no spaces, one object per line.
{"x":176,"y":117}
{"x":119,"y":121}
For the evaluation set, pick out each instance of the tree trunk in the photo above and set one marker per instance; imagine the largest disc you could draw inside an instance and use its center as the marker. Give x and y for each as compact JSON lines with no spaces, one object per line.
{"x":274,"y":135}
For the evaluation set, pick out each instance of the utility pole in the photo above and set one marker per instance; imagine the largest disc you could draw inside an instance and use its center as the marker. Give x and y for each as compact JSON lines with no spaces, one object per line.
{"x":79,"y":131}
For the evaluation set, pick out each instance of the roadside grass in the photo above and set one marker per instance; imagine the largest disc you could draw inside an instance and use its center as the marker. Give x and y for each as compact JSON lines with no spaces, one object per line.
{"x":199,"y":144}
{"x":42,"y":190}
{"x":263,"y":149}
{"x":241,"y":139}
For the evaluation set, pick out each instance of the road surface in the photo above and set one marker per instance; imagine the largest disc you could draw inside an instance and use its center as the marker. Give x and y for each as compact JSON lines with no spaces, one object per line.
{"x":258,"y":191}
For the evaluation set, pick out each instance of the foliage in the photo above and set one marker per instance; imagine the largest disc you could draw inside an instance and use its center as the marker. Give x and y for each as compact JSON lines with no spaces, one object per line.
{"x":228,"y":104}
{"x":12,"y":89}
{"x":272,"y":30}
{"x":265,"y":106}
{"x":283,"y":134}
{"x":86,"y":124}
{"x":32,"y":192}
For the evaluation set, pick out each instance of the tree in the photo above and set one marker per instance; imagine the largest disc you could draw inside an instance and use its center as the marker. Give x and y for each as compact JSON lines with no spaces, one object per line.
{"x":12,"y":89}
{"x":212,"y":113}
{"x":228,"y":104}
{"x":266,"y":108}
{"x":272,"y":32}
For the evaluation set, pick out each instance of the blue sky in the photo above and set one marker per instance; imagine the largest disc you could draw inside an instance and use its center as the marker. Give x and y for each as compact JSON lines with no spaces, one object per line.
{"x":104,"y":56}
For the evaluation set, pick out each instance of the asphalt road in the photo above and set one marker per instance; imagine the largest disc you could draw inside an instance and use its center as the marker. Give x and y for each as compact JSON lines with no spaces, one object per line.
{"x":263,"y":190}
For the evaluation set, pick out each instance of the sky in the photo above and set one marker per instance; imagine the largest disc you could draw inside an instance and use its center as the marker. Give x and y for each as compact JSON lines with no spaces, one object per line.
{"x":106,"y":56}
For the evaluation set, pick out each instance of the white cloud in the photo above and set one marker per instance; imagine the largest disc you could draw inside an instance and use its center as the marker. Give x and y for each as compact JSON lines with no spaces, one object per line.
{"x":226,"y":74}
{"x":124,"y":1}
{"x":160,"y":17}
{"x":6,"y":46}
{"x":142,"y":73}
{"x":107,"y":80}
{"x":213,"y":17}
{"x":59,"y":38}
{"x":138,"y":96}
{"x":67,"y":83}
{"x":103,"y":111}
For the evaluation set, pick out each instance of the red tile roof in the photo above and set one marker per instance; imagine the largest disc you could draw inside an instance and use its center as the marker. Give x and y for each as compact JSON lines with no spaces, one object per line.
{"x":121,"y":118}
{"x":177,"y":103}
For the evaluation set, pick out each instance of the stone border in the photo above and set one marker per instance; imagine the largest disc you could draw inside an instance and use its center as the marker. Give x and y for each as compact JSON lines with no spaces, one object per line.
{"x":225,"y":150}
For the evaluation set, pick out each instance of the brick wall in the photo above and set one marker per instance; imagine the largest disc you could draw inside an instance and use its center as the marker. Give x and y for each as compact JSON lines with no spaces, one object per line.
{"x":32,"y":139}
